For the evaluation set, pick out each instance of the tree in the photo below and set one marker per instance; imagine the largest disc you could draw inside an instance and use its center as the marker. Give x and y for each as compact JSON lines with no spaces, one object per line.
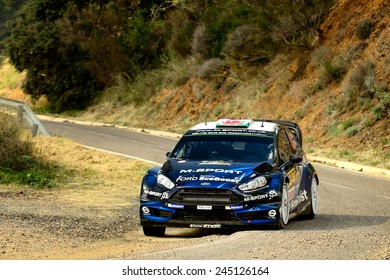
{"x":7,"y":12}
{"x":35,"y":46}
{"x":72,"y":50}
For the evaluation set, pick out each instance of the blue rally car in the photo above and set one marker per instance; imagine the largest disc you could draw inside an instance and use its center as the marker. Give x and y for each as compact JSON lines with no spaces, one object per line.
{"x":231,"y":174}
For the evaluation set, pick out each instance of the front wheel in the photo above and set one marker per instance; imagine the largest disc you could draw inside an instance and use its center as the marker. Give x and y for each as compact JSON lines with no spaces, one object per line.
{"x":313,"y":199}
{"x":284,"y":209}
{"x":154,"y":231}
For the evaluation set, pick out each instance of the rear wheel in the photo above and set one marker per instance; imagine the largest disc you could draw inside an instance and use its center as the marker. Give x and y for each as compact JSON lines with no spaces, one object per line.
{"x":153,"y":231}
{"x":284,"y":209}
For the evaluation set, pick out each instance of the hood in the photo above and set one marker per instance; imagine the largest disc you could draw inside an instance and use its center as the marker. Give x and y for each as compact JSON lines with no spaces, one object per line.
{"x":208,"y":174}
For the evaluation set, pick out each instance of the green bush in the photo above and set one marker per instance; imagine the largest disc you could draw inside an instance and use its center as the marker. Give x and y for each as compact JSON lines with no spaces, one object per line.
{"x":362,"y":79}
{"x":334,"y":70}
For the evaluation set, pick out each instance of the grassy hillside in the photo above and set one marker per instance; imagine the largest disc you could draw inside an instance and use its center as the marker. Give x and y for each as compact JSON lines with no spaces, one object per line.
{"x":338,"y":91}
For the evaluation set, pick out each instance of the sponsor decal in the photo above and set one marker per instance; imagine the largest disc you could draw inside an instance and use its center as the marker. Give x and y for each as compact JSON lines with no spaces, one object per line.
{"x":272,"y":213}
{"x":187,"y":179}
{"x":204,"y":207}
{"x":272,"y":194}
{"x":256,"y":197}
{"x":205,"y":226}
{"x":173,"y":205}
{"x":211,"y":178}
{"x":145,"y":210}
{"x":218,"y":179}
{"x":229,"y":122}
{"x":164,"y":195}
{"x":152,"y":193}
{"x":216,"y":170}
{"x":301,"y":198}
{"x":228,"y":131}
{"x":207,"y":170}
{"x":234,"y":207}
{"x":214,"y":162}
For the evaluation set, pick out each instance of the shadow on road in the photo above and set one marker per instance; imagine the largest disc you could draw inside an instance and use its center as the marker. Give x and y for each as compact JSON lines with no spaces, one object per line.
{"x":195,"y":233}
{"x":321,"y":222}
{"x":337,"y":222}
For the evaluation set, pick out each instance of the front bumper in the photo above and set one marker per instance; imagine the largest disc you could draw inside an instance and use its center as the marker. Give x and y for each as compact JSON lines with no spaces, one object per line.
{"x":154,"y":213}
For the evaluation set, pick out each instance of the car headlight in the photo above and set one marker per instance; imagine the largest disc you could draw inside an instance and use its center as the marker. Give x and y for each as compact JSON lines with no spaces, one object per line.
{"x":254,"y":184}
{"x":165,"y":181}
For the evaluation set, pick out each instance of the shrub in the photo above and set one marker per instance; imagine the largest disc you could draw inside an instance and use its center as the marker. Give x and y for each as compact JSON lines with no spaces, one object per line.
{"x":334,"y":129}
{"x":362,"y":79}
{"x":200,"y":42}
{"x":320,"y":54}
{"x":294,"y":23}
{"x":15,"y":153}
{"x":211,"y":68}
{"x":249,"y":44}
{"x":351,"y":131}
{"x":363,"y":90}
{"x":364,"y":29}
{"x":334,"y":70}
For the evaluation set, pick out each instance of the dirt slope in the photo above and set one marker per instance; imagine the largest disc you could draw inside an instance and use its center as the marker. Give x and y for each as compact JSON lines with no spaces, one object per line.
{"x":283,"y":91}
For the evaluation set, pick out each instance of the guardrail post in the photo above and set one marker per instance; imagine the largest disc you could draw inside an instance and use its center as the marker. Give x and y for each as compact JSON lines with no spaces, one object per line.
{"x":34,"y":130}
{"x":20,"y":113}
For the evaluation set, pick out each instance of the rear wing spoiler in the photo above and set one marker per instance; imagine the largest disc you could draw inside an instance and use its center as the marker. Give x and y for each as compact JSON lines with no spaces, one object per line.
{"x":292,"y":126}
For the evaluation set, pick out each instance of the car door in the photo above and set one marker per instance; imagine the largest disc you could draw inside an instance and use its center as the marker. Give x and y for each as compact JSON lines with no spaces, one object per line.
{"x":291,"y":169}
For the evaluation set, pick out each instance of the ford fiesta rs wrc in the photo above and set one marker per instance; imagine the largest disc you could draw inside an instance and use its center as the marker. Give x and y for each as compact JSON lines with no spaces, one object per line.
{"x":231,"y":174}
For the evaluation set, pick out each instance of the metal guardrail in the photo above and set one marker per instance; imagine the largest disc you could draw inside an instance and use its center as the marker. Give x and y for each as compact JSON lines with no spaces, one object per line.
{"x":24,"y":112}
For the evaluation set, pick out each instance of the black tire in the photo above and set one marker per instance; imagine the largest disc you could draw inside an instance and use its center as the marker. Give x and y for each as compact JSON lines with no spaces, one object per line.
{"x":154,"y":231}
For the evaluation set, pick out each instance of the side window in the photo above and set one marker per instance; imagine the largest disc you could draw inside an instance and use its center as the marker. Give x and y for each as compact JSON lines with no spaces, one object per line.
{"x":293,"y":140}
{"x":284,"y":148}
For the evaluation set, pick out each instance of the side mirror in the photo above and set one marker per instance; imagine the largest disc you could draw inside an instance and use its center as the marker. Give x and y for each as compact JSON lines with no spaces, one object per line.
{"x":167,"y":154}
{"x":296,"y":158}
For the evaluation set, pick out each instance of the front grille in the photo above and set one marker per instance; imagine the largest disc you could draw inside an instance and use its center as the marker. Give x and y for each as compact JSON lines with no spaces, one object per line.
{"x":204,"y":216}
{"x":214,"y":197}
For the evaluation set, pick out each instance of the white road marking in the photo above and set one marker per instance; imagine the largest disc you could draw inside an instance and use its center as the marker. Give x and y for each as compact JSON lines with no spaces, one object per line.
{"x":351,"y":189}
{"x":123,"y":155}
{"x":339,"y":186}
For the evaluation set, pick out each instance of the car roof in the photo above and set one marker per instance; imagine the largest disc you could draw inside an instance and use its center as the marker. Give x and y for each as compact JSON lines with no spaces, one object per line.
{"x":259,"y":125}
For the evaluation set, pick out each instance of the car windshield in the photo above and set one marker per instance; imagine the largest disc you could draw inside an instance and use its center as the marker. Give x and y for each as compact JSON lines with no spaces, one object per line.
{"x":225,"y":148}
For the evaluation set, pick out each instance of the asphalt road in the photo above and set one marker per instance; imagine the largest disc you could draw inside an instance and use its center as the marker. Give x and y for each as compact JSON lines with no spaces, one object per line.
{"x":123,"y":141}
{"x":353,"y":220}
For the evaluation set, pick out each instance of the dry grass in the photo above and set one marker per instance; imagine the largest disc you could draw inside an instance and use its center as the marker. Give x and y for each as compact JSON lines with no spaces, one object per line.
{"x":14,"y":151}
{"x":369,"y":157}
{"x":99,"y":180}
{"x":10,"y":79}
